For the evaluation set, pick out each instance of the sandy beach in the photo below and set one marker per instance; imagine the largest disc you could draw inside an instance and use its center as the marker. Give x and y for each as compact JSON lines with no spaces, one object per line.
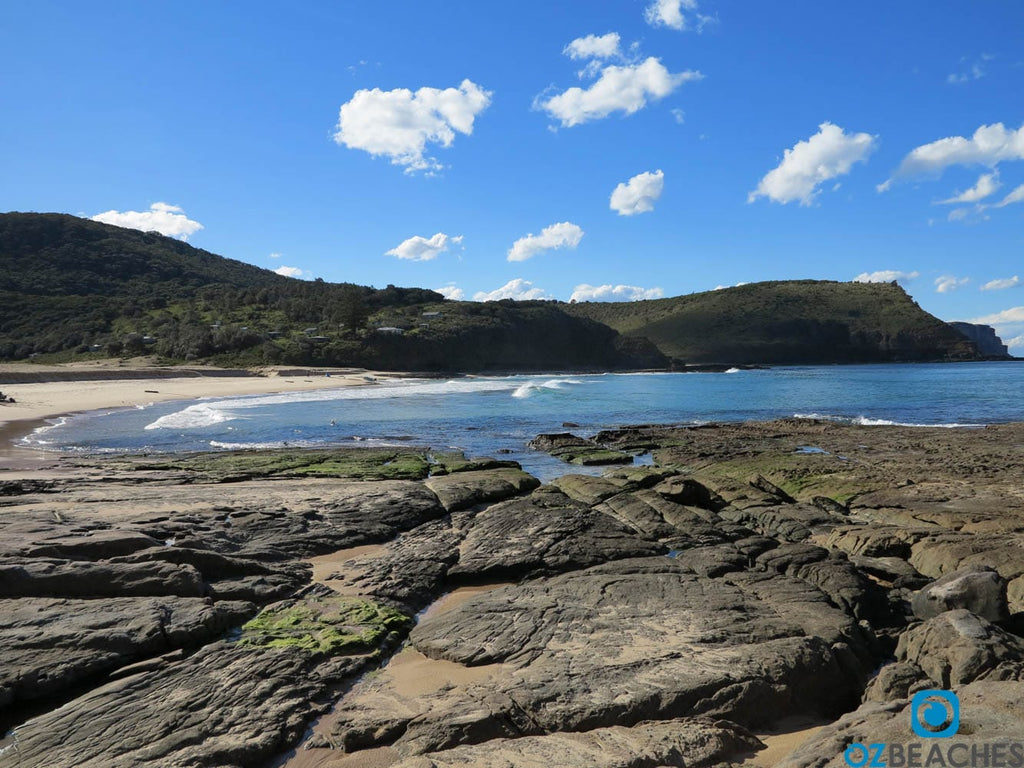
{"x":45,"y":392}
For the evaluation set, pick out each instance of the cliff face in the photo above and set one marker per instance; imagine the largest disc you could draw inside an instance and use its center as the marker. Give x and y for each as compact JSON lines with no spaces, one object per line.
{"x":789,"y":322}
{"x":985,"y":338}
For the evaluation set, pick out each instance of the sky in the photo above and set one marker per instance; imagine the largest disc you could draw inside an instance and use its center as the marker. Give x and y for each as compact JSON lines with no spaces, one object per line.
{"x":572,"y":150}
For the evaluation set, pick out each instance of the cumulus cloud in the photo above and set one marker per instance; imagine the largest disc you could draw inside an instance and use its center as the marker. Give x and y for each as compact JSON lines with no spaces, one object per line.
{"x":418,"y":248}
{"x":637,"y":195}
{"x":561,"y":235}
{"x":1012,"y":315}
{"x":289,"y":271}
{"x":594,"y":47}
{"x":399,"y":124}
{"x":1001,"y":284}
{"x":987,"y":184}
{"x":166,"y":219}
{"x":585,"y":292}
{"x":451,"y":292}
{"x":827,"y":154}
{"x":669,"y":13}
{"x":1009,"y":325}
{"x":886,"y":276}
{"x":1017,"y":342}
{"x":949,"y":283}
{"x":620,"y":88}
{"x":989,"y":146}
{"x":518,"y":289}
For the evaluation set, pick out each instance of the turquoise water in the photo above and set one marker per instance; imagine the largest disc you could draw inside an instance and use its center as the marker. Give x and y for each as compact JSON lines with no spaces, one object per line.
{"x":492,"y":415}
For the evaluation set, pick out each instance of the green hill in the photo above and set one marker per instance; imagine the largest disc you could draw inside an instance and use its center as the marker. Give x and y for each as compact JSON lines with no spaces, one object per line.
{"x":75,"y":287}
{"x":788,"y":322}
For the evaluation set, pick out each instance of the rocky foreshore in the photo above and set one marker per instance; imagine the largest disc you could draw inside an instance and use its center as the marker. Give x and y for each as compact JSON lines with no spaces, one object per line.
{"x":423,"y":610}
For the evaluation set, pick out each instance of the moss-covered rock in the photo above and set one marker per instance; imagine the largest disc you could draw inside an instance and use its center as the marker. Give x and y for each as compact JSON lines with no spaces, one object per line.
{"x":329,"y":624}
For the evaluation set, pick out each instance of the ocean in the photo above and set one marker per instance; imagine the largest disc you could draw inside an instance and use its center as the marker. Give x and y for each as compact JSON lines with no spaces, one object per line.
{"x":498,"y":415}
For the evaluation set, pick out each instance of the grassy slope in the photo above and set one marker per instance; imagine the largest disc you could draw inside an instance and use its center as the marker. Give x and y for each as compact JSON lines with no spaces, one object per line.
{"x":798,"y":321}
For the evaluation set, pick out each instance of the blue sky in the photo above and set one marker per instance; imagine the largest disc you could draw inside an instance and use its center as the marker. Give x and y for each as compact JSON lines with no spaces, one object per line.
{"x":611,"y":150}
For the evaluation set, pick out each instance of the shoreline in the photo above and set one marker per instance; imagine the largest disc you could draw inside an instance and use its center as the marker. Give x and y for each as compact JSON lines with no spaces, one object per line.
{"x":56,"y":392}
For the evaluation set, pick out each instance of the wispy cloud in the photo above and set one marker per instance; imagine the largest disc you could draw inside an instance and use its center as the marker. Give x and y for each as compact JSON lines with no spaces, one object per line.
{"x":637,"y":195}
{"x":399,"y":124}
{"x":949,"y":283}
{"x":418,"y":248}
{"x":164,"y":218}
{"x":1001,"y":284}
{"x":829,"y":153}
{"x":562,"y":235}
{"x":987,"y":184}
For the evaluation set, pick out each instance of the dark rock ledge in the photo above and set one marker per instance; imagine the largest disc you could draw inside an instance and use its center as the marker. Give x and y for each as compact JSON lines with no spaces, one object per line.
{"x":154,"y":615}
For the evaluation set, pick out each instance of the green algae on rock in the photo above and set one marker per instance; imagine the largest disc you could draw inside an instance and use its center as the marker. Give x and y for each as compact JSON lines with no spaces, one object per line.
{"x":329,"y":624}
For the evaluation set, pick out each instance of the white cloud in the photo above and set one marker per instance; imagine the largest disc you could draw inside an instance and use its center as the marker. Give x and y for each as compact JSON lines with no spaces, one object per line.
{"x":518,"y":289}
{"x":399,"y":124}
{"x":584,"y":292}
{"x":1016,"y":196}
{"x":990,"y":145}
{"x":637,"y":195}
{"x":561,"y":235}
{"x":289,"y":271}
{"x":418,"y":248}
{"x":949,"y":283}
{"x":679,"y":115}
{"x":626,"y":88}
{"x":1007,"y":316}
{"x":166,"y":219}
{"x":451,"y":292}
{"x":1009,"y":325}
{"x":975,"y":73}
{"x":275,"y":256}
{"x":827,"y":154}
{"x":885,"y":276}
{"x":987,"y":184}
{"x":594,"y":47}
{"x":1002,"y":284}
{"x":723,"y":287}
{"x":669,"y":13}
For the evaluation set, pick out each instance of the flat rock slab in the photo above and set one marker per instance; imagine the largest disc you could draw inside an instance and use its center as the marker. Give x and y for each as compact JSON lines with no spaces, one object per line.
{"x":696,"y":743}
{"x":543,"y":533}
{"x":51,"y":644}
{"x":618,"y":644}
{"x":461,"y":490}
{"x":224,"y":706}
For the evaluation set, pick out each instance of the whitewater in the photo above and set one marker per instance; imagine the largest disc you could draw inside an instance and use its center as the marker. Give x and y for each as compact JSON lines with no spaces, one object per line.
{"x":498,"y":415}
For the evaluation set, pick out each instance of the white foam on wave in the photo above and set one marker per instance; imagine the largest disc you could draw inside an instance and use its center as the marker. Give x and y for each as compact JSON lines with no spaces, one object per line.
{"x":867,"y":421}
{"x":733,"y":370}
{"x":528,"y":388}
{"x":193,"y":417}
{"x":35,"y":437}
